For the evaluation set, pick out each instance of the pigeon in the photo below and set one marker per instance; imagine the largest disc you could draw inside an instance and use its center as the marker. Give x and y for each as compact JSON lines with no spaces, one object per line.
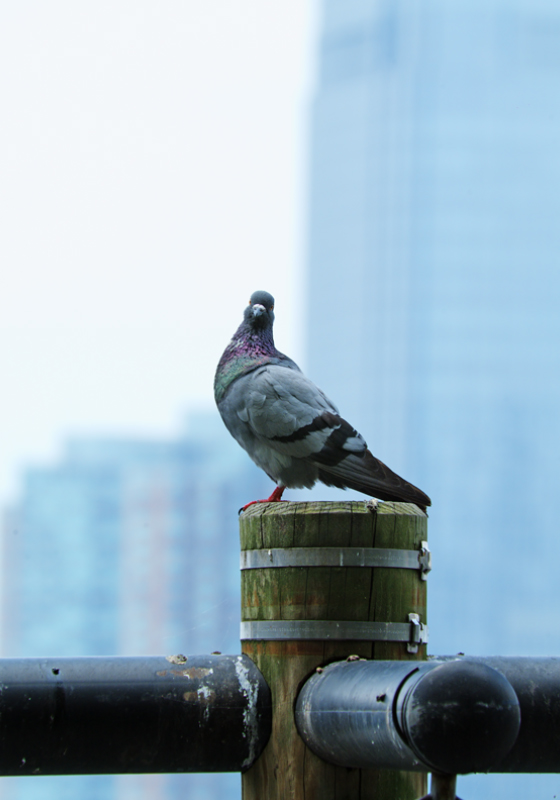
{"x":287,"y":425}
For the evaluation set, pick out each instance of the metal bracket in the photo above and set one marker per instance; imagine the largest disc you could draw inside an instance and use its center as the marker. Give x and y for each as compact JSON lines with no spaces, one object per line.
{"x":425,"y":560}
{"x":443,"y":787}
{"x":418,"y":633}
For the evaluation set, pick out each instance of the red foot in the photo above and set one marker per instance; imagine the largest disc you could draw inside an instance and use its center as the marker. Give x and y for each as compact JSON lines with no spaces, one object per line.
{"x":274,"y":498}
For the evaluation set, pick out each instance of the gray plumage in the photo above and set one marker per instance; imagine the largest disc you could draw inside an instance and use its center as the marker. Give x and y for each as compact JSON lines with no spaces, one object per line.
{"x":287,"y":425}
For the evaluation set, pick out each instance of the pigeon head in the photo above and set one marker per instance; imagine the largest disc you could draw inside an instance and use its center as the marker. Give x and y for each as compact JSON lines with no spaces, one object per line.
{"x":252,"y":345}
{"x":259,"y":314}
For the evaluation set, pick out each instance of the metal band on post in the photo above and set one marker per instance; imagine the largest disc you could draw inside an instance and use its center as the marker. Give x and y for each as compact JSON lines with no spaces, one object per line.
{"x":413,"y":632}
{"x":278,"y":557}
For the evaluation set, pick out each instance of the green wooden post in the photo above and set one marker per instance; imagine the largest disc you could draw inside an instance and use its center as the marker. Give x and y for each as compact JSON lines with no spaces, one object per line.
{"x":287,"y":769}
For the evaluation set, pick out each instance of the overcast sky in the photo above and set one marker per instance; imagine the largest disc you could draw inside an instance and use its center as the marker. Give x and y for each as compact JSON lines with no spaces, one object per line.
{"x":153,"y":174}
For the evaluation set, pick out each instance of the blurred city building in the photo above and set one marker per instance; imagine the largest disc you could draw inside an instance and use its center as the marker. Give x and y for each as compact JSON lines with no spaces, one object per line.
{"x":434,"y":292}
{"x":128,"y":547}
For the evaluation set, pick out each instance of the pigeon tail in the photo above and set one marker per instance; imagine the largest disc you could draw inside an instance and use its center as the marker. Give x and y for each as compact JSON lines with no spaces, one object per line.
{"x":365,"y":473}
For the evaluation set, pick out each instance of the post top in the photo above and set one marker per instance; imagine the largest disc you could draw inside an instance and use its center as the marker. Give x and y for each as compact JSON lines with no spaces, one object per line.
{"x":289,"y":508}
{"x":327,"y":524}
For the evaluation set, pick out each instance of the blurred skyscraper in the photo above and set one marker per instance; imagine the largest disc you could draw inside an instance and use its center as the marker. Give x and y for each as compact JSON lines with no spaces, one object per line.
{"x":128,"y":547}
{"x":434,"y":292}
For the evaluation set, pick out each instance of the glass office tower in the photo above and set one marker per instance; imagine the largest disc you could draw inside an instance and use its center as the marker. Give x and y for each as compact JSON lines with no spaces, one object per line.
{"x":434,"y":292}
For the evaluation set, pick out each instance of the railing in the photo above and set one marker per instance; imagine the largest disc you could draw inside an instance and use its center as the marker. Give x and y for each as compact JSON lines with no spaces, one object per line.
{"x":333,"y":696}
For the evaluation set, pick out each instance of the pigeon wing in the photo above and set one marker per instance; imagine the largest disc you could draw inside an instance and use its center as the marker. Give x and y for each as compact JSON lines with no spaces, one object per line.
{"x":297,"y":420}
{"x":287,"y":410}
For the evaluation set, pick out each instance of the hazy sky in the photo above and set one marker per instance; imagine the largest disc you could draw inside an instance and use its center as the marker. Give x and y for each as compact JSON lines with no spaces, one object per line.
{"x":153,"y":174}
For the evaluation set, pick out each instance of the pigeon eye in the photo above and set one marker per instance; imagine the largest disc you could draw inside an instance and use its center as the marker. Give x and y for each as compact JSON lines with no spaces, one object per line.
{"x":272,"y":306}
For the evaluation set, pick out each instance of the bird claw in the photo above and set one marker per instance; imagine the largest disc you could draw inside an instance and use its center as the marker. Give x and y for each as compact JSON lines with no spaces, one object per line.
{"x":275,"y":497}
{"x":252,"y":503}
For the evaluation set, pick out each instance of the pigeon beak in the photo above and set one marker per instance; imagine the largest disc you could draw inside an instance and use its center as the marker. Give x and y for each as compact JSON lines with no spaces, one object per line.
{"x":258,"y":310}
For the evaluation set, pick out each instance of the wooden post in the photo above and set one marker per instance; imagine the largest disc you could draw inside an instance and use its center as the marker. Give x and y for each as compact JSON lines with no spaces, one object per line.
{"x":287,"y":769}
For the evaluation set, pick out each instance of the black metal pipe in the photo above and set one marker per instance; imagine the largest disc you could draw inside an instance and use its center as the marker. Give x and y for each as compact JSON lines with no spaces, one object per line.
{"x":75,"y":716}
{"x":536,"y":681}
{"x":454,"y":716}
{"x":345,"y":715}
